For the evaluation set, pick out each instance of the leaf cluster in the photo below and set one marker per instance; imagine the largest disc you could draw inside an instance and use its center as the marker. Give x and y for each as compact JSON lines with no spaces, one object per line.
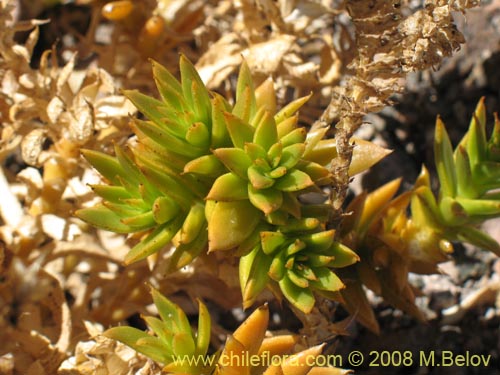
{"x":207,"y":175}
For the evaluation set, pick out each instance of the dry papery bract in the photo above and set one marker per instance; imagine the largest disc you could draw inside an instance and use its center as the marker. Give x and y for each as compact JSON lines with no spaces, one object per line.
{"x":48,"y":114}
{"x":57,"y":272}
{"x":101,"y":355}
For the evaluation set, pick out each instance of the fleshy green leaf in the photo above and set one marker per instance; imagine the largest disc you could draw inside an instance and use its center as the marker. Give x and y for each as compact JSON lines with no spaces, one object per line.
{"x":251,"y":241}
{"x":201,"y":102}
{"x":106,"y":165}
{"x":445,"y":163}
{"x":206,"y":165}
{"x":291,"y":205}
{"x":317,"y":260}
{"x":147,"y":105}
{"x":313,"y":142}
{"x":278,"y":217}
{"x":465,"y":184}
{"x":255,"y":279}
{"x":183,"y":344}
{"x":154,"y":242}
{"x":220,"y":135}
{"x":244,"y":108}
{"x":245,"y":267}
{"x":185,"y":253}
{"x":254,"y":151}
{"x":169,"y":185}
{"x":295,"y":247}
{"x":494,"y":142}
{"x":424,"y":208}
{"x":452,"y":211}
{"x":161,"y":329}
{"x":228,"y":187}
{"x":290,"y":109}
{"x":113,"y":194}
{"x":274,"y":154}
{"x":141,"y":342}
{"x":265,"y":96}
{"x":235,"y":159}
{"x":204,"y":329}
{"x":301,"y":298}
{"x":266,"y":200}
{"x":305,"y":272}
{"x":319,"y":174}
{"x":303,"y":224}
{"x":102,"y":217}
{"x":287,"y":126}
{"x":277,"y":268}
{"x":320,"y":241}
{"x":167,"y":140}
{"x":271,"y":241}
{"x":277,"y":172}
{"x":133,"y":206}
{"x":140,"y":222}
{"x":170,"y":312}
{"x":476,"y":135}
{"x":258,"y":178}
{"x":295,"y":136}
{"x":147,"y":147}
{"x":245,"y":105}
{"x":479,"y":239}
{"x":344,"y":256}
{"x":168,"y":87}
{"x":240,"y":131}
{"x":327,"y":280}
{"x":296,"y":279}
{"x":193,"y":224}
{"x":291,"y":155}
{"x":198,"y":135}
{"x":294,"y":180}
{"x":265,"y":133}
{"x":480,"y":207}
{"x":193,"y":88}
{"x":231,"y":223}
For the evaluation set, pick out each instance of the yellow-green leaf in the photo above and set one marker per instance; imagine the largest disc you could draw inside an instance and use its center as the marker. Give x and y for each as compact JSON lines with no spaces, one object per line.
{"x":228,"y":187}
{"x":231,"y":223}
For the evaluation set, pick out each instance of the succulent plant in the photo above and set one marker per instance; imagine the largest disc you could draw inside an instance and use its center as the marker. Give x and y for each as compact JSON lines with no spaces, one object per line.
{"x":392,"y":243}
{"x":300,"y":262}
{"x":207,"y":175}
{"x":173,"y":337}
{"x":469,"y":179}
{"x":248,"y":350}
{"x":152,"y":183}
{"x":132,"y":204}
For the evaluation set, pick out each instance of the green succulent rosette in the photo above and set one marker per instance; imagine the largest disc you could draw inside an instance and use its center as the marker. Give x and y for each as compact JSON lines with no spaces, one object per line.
{"x":267,"y":170}
{"x":148,"y":191}
{"x":300,"y":258}
{"x":131,"y":203}
{"x":469,"y":180}
{"x":414,"y":231}
{"x":173,"y":343}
